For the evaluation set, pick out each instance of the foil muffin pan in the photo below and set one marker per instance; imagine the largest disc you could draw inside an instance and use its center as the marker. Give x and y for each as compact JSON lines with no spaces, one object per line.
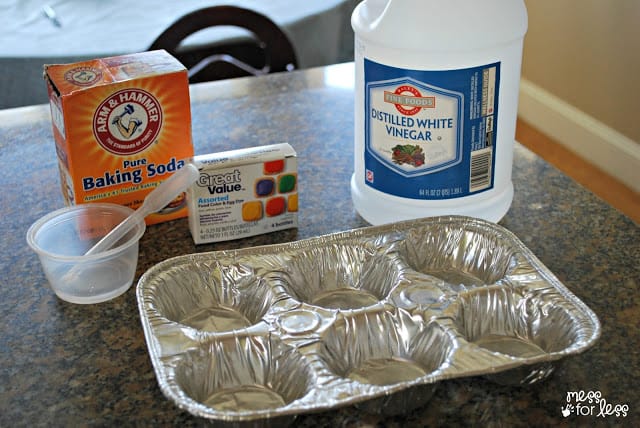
{"x":376,"y":317}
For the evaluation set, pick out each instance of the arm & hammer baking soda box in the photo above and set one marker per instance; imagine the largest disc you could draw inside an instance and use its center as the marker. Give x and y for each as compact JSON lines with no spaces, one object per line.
{"x":245,"y":192}
{"x":121,"y":125}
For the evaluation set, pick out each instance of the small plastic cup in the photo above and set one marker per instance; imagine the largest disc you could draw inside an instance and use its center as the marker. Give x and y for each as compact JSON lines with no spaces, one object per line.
{"x":61,"y":239}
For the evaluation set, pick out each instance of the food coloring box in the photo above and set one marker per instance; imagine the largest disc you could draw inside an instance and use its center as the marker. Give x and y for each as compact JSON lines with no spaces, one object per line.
{"x":243,"y":193}
{"x":121,"y":126}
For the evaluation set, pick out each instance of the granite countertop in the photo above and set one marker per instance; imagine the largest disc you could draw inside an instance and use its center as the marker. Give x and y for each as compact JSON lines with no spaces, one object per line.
{"x":66,"y":365}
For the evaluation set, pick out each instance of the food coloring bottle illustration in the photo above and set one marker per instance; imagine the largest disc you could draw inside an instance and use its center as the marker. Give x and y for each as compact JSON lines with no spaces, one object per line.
{"x":436,"y":102}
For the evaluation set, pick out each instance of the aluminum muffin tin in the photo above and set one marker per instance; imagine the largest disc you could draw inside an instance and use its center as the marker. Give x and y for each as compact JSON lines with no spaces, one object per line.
{"x":374,"y":316}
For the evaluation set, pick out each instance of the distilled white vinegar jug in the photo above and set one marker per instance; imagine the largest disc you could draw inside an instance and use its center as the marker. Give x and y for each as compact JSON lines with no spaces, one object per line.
{"x":436,"y":102}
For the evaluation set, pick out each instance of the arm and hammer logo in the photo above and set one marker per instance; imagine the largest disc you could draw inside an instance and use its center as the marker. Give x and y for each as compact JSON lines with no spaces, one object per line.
{"x":83,"y":76}
{"x":127,"y":122}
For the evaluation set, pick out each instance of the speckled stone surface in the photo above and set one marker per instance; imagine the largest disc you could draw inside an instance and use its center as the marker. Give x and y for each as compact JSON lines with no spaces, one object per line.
{"x":74,"y":365}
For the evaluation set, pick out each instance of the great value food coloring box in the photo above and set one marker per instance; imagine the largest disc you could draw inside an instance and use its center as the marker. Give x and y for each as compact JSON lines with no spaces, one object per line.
{"x":244,"y":192}
{"x":121,"y":125}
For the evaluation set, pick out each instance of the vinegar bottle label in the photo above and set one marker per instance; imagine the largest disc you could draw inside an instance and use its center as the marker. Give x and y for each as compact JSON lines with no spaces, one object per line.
{"x":430,"y":134}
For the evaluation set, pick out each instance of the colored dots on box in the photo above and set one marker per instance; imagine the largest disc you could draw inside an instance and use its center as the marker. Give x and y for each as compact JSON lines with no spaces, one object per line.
{"x":292,"y":203}
{"x":286,"y":183}
{"x":274,"y":166}
{"x":265,"y":187}
{"x":252,"y":211}
{"x":275,"y":206}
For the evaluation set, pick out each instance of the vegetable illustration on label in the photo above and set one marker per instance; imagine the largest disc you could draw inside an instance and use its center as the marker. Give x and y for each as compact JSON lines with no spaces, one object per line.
{"x":409,"y":154}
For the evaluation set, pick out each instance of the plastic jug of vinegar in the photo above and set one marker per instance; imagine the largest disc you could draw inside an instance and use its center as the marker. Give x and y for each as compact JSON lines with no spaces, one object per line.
{"x":436,"y":102}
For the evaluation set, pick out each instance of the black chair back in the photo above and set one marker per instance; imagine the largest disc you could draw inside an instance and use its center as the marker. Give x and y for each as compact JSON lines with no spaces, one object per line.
{"x":269,"y":50}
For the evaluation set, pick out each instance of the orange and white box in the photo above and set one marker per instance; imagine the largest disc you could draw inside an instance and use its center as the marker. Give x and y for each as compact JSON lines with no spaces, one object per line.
{"x":121,"y":126}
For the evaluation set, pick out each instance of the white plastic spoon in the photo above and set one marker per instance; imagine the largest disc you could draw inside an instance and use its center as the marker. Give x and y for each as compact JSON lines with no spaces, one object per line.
{"x":166,"y":191}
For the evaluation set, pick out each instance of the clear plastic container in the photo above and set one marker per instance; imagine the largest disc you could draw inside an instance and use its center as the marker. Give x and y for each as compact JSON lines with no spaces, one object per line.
{"x":435,"y":107}
{"x":61,"y":239}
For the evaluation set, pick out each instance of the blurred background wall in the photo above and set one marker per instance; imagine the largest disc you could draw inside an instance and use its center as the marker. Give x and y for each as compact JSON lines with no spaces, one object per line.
{"x":581,"y":80}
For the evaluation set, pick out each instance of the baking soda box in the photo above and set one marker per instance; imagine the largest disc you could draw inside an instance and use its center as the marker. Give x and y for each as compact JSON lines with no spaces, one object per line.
{"x":121,"y":126}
